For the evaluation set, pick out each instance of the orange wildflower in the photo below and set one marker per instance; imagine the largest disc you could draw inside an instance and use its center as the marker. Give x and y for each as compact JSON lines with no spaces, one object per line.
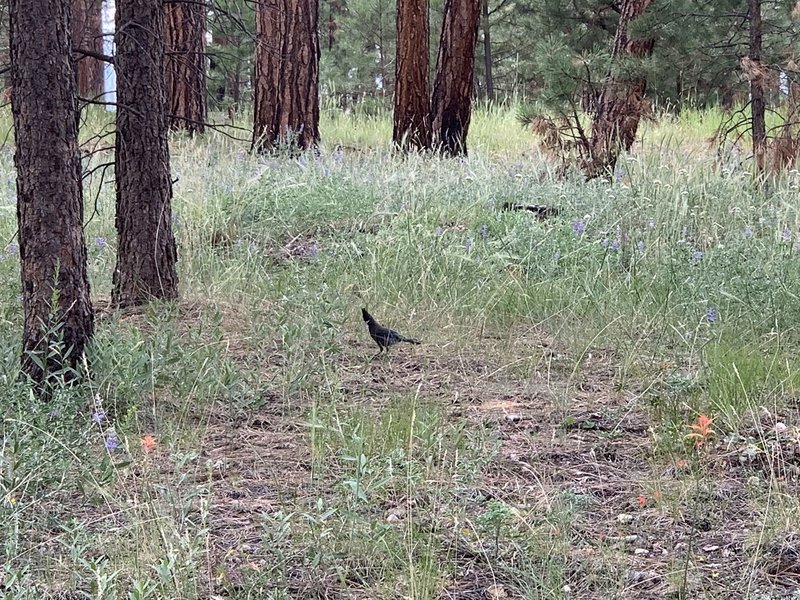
{"x":701,"y":430}
{"x":149,"y":443}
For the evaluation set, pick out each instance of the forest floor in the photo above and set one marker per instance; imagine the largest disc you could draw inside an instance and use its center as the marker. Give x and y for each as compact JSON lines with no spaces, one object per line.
{"x":604,"y":404}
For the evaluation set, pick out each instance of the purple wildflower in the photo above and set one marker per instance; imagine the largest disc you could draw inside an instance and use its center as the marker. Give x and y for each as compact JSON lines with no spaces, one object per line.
{"x":99,"y":416}
{"x":651,"y":223}
{"x":468,"y":245}
{"x":786,"y":235}
{"x":748,"y":232}
{"x":640,"y":246}
{"x":604,"y":243}
{"x":618,"y":174}
{"x":556,"y":255}
{"x":711,"y":314}
{"x":579,"y":227}
{"x":616,"y":244}
{"x":100,"y":242}
{"x":12,"y":248}
{"x":698,"y":255}
{"x":313,"y":251}
{"x":484,"y":232}
{"x":438,"y":232}
{"x":252,"y":248}
{"x":112,"y":441}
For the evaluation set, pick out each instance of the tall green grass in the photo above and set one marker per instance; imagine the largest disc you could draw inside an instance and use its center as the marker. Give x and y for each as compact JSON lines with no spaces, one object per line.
{"x":683,"y":273}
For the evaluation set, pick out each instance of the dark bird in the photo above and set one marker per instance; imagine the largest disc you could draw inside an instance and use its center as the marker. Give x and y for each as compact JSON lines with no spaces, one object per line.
{"x":383,"y":336}
{"x":541,"y":212}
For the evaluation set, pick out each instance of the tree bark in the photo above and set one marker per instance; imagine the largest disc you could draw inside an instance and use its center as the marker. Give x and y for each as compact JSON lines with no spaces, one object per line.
{"x":87,"y":34}
{"x":55,"y":286}
{"x":185,"y":39}
{"x":286,"y":79}
{"x":487,"y":52}
{"x":147,"y":255}
{"x":451,"y":103}
{"x":411,"y":96}
{"x":622,"y":98}
{"x":756,"y":76}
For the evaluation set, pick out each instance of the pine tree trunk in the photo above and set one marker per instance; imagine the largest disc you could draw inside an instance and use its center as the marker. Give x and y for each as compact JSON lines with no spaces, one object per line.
{"x":411,"y":96}
{"x":621,"y":102}
{"x":334,"y":9}
{"x":487,"y":52}
{"x":146,"y":257}
{"x":87,"y":34}
{"x":286,"y":79}
{"x":185,"y":39}
{"x":451,"y":103}
{"x":55,"y":286}
{"x":757,"y":103}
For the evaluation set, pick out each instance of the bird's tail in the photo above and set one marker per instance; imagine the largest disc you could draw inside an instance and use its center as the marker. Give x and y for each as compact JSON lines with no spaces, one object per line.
{"x":409,"y":340}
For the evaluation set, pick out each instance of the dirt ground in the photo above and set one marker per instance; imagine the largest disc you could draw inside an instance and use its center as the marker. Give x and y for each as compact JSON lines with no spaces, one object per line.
{"x":649,"y":528}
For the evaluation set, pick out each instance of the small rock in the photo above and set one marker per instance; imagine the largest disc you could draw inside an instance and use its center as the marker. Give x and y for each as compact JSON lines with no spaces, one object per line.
{"x":625,"y":518}
{"x":566,"y":589}
{"x":393,"y":518}
{"x":514,"y":418}
{"x":710,"y":548}
{"x":780,"y":427}
{"x":641,"y":551}
{"x":496,"y":591}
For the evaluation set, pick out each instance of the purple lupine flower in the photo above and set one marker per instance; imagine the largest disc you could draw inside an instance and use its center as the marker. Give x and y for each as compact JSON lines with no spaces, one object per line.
{"x":748,"y":232}
{"x":640,"y":246}
{"x":556,"y":255}
{"x":12,"y":248}
{"x":112,"y":441}
{"x":711,"y":314}
{"x":438,"y":232}
{"x":698,"y":255}
{"x":618,"y":174}
{"x":616,"y":244}
{"x":579,"y":227}
{"x":99,"y":416}
{"x":786,"y":235}
{"x":468,"y":245}
{"x":484,"y":232}
{"x":100,"y":242}
{"x":651,"y":223}
{"x":252,"y":248}
{"x":605,"y":242}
